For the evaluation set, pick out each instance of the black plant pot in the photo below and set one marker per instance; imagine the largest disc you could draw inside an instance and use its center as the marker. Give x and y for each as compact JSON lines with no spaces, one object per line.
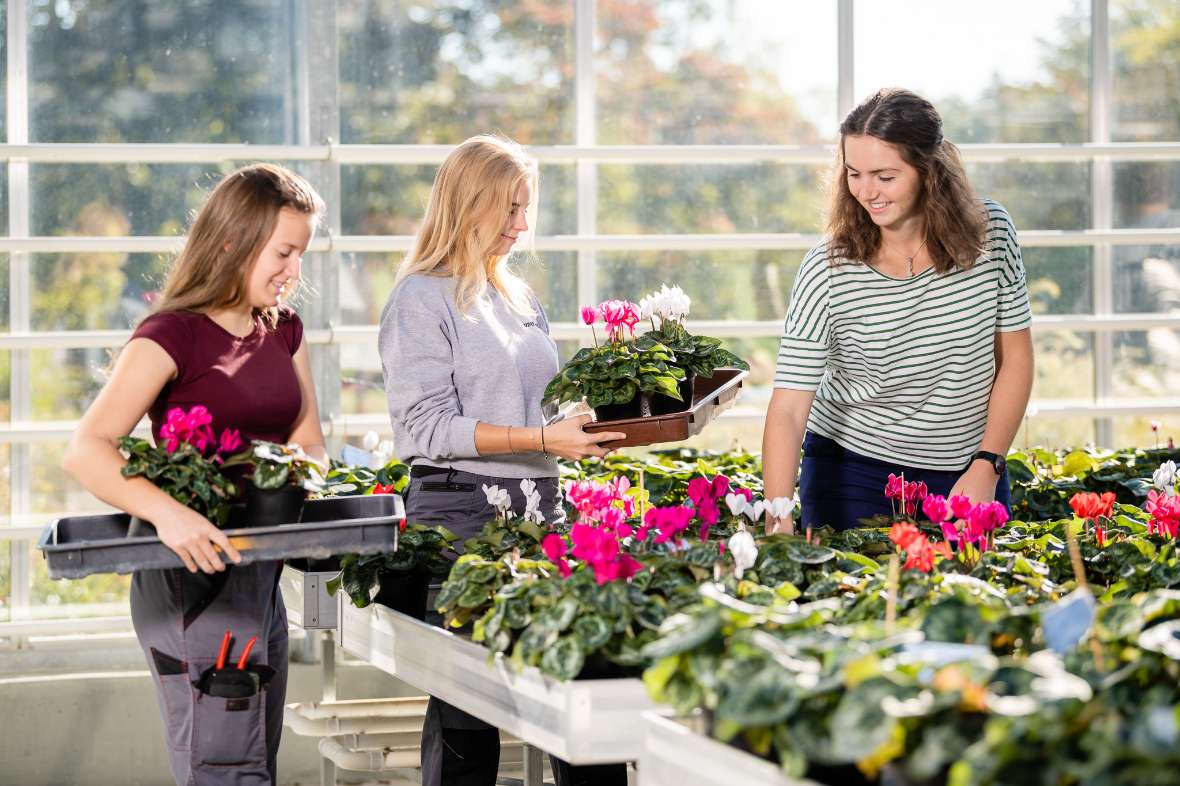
{"x":666,"y":405}
{"x":638,"y":407}
{"x":273,"y":507}
{"x":404,"y":591}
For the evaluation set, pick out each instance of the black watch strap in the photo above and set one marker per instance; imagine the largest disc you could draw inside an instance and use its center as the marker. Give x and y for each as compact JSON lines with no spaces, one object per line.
{"x":998,"y":462}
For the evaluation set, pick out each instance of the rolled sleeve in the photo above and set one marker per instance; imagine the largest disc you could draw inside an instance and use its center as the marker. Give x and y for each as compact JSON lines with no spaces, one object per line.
{"x":803,"y":349}
{"x":1013,"y":312}
{"x":417,"y":361}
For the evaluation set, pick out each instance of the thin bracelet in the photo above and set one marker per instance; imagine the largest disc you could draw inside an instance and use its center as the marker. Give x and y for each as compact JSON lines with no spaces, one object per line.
{"x":543,"y":451}
{"x":510,"y":450}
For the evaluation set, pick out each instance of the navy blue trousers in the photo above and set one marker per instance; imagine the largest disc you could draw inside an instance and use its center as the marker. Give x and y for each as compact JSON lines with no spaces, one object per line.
{"x":838,"y":487}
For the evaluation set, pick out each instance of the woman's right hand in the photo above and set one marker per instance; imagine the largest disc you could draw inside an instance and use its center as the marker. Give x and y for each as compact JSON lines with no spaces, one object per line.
{"x":194,"y":539}
{"x":567,"y":439}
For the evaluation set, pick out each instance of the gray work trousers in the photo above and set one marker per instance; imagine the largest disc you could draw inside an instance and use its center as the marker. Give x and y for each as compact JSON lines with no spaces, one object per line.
{"x":459,"y":749}
{"x":180,"y":619}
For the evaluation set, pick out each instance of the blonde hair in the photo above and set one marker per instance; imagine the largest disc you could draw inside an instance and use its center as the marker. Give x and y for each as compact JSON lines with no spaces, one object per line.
{"x":469,"y":202}
{"x":227,"y":235}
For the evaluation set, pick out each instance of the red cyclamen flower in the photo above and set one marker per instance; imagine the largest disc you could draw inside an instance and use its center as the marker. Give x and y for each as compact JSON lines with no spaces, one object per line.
{"x":1088,"y":505}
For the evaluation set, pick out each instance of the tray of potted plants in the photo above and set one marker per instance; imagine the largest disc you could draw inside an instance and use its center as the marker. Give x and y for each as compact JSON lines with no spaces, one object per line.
{"x":188,"y":465}
{"x":663,"y":386}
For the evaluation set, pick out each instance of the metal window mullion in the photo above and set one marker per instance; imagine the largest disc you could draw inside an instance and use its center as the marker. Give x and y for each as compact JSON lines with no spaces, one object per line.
{"x":19,"y":297}
{"x":585,"y":135}
{"x":1102,"y":206}
{"x":319,"y":123}
{"x":845,"y":60}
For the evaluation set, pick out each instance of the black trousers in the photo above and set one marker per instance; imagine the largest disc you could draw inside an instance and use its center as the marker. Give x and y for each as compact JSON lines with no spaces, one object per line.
{"x":838,"y":487}
{"x":459,"y":749}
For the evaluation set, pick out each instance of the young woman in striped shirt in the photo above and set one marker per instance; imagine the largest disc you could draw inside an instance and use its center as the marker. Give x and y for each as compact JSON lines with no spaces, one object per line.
{"x":906,"y":347}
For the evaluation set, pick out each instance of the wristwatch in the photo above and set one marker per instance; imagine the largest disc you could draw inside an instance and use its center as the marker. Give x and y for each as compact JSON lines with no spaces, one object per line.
{"x":998,"y":462}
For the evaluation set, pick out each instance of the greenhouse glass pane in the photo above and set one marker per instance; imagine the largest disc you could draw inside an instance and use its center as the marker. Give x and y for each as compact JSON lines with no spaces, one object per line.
{"x":436,"y":73}
{"x":716,"y":72}
{"x":1004,"y":71}
{"x":162,"y":71}
{"x":1145,"y":55}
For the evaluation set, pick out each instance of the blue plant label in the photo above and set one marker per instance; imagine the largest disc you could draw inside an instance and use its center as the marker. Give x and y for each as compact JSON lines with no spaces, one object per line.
{"x":1069,"y":620}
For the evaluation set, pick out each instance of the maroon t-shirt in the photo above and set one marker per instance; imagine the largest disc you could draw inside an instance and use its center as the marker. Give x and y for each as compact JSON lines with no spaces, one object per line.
{"x":246,"y":383}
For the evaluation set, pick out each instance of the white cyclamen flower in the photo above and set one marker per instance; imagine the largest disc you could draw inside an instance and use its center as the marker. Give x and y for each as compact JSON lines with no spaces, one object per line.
{"x":529,"y":487}
{"x":498,"y":498}
{"x":1164,"y":478}
{"x":744,"y":551}
{"x":755,"y":510}
{"x":667,"y":303}
{"x":736,"y":503}
{"x":781,"y":507}
{"x":371,"y":441}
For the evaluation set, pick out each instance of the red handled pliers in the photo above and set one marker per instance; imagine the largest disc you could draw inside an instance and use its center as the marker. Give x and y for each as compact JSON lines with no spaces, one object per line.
{"x":224,"y":651}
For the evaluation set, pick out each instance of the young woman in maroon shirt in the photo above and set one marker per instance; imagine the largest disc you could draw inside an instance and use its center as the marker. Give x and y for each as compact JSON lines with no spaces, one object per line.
{"x":218,"y":337}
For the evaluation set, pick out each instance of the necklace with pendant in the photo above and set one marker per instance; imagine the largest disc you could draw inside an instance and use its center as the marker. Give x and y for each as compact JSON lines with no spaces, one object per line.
{"x":909,"y":259}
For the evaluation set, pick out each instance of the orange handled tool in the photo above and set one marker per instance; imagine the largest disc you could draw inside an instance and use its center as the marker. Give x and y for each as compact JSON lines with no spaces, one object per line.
{"x":224,"y":650}
{"x":246,"y":652}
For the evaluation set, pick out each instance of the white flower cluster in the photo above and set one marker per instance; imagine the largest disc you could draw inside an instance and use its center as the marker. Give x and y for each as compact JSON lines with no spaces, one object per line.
{"x":381,"y":450}
{"x":670,"y":304}
{"x":500,"y":499}
{"x":779,"y":507}
{"x":1164,"y":478}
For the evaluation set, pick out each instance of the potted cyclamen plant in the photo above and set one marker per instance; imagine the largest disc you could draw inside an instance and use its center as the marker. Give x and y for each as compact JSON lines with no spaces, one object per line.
{"x":182,"y":465}
{"x":282,"y":477}
{"x":619,"y":378}
{"x":699,"y":356}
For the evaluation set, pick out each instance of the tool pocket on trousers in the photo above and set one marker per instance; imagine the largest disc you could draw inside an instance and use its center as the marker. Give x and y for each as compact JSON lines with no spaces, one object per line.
{"x":229,"y":731}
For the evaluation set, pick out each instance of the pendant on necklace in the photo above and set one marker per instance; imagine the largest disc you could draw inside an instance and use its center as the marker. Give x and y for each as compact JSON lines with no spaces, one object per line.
{"x":910,"y":263}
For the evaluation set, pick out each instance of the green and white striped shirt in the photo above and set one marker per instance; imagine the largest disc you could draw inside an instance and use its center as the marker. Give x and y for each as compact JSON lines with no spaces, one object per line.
{"x":903,"y":368}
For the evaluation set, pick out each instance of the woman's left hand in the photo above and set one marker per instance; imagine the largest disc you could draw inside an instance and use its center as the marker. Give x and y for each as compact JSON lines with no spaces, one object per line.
{"x":978,"y":483}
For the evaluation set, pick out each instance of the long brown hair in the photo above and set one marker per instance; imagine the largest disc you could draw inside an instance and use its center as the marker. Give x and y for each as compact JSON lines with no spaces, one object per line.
{"x":956,"y":223}
{"x":227,"y":235}
{"x":469,"y":202}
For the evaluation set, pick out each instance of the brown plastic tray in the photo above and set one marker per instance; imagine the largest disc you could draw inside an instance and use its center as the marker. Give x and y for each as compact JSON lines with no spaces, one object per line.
{"x":710,"y":397}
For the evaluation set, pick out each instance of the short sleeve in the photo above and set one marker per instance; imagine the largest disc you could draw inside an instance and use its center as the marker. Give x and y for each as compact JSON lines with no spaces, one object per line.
{"x":803,"y":350}
{"x":1013,"y":308}
{"x":172,"y":331}
{"x":290,"y":327}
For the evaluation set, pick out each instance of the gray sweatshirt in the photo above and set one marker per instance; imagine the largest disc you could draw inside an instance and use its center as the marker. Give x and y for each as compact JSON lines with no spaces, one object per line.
{"x":444,"y":372}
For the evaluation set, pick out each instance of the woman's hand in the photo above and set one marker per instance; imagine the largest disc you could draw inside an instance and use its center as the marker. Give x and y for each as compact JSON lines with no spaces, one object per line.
{"x":978,"y":483}
{"x":567,"y":439}
{"x":194,"y":539}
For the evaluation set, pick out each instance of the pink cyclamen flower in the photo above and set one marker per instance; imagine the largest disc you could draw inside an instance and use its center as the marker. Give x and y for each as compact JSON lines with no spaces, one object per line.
{"x":936,"y":509}
{"x":589,"y":315}
{"x":894,"y":487}
{"x":554,"y":547}
{"x":231,"y":440}
{"x":749,"y":495}
{"x":720,"y":487}
{"x":699,"y":490}
{"x":620,"y":317}
{"x":960,"y":506}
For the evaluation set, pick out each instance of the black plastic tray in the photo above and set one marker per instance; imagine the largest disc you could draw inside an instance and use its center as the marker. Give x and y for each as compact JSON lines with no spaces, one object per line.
{"x":78,"y":546}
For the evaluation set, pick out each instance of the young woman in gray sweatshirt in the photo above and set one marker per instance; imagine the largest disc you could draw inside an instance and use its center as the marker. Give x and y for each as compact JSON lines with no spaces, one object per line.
{"x":466,"y":355}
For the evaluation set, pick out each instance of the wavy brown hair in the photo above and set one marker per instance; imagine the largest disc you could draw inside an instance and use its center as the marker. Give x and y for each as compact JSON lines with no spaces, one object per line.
{"x":227,"y":235}
{"x":956,"y":223}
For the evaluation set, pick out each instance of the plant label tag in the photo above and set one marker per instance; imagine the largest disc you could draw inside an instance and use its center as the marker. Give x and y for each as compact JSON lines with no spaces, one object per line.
{"x":1069,"y":620}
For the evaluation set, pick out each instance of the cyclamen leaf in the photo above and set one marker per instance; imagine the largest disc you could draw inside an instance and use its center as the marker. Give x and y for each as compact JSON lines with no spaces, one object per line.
{"x":564,"y":660}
